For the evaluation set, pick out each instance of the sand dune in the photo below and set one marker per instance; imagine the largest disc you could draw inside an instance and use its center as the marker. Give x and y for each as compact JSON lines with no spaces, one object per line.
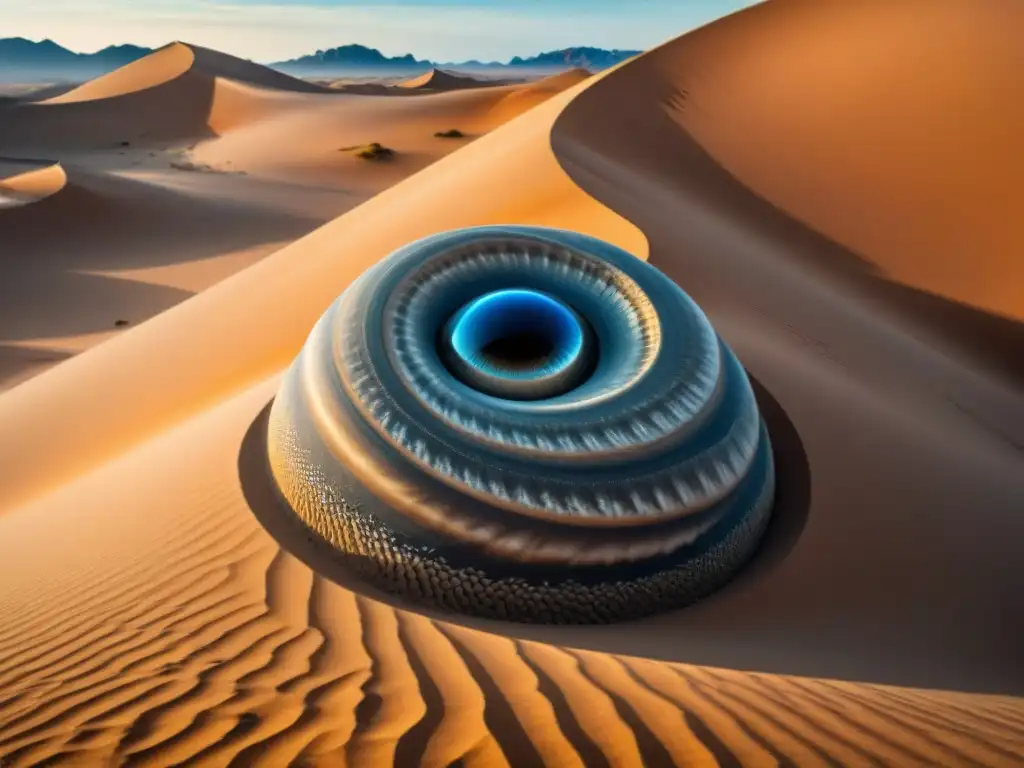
{"x":158,"y":68}
{"x":134,"y":227}
{"x":406,"y":125}
{"x":178,"y":92}
{"x":104,"y":250}
{"x":913,"y":170}
{"x":212,"y":643}
{"x":21,"y":363}
{"x":160,"y":606}
{"x":918,"y":181}
{"x":294,"y":291}
{"x":30,"y":186}
{"x":528,"y":96}
{"x":179,"y":60}
{"x":440,"y":80}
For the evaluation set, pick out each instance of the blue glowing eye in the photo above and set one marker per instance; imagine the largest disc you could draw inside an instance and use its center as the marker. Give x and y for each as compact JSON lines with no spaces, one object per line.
{"x":518,"y":344}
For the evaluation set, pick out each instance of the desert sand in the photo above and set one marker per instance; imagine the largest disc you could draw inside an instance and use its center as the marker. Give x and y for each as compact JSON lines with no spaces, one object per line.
{"x":440,"y":80}
{"x":29,"y":182}
{"x":165,"y":185}
{"x":160,"y":607}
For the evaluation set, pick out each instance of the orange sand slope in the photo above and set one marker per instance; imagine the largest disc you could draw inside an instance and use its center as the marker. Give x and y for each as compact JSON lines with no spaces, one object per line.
{"x":330,"y":128}
{"x":137,"y":224}
{"x":179,"y":60}
{"x":915,"y":169}
{"x":440,"y":80}
{"x":151,"y":618}
{"x":29,"y":186}
{"x":104,"y":248}
{"x":178,"y":91}
{"x":534,"y":93}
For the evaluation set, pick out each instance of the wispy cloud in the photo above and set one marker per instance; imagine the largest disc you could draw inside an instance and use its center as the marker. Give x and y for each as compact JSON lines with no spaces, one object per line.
{"x":268,"y":30}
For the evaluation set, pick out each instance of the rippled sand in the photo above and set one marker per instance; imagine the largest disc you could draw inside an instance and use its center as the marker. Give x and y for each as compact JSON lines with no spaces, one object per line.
{"x":160,"y":607}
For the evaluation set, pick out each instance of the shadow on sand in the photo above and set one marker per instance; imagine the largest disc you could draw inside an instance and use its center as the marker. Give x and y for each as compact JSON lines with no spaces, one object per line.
{"x":788,"y":521}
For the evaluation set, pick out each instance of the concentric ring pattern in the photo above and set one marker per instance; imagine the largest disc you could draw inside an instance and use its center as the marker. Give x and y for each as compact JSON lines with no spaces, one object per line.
{"x":518,"y":344}
{"x":528,"y":424}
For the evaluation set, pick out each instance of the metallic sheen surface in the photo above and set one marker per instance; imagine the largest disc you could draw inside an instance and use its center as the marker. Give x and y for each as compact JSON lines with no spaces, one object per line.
{"x":632,"y":473}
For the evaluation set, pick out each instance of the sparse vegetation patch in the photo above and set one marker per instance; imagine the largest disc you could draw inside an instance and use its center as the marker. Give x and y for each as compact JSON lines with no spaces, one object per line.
{"x":372,"y":151}
{"x":188,"y":165}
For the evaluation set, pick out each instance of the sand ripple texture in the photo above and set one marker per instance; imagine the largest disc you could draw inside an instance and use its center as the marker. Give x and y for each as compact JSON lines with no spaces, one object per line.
{"x":177,"y":631}
{"x":151,"y":616}
{"x":205,"y":643}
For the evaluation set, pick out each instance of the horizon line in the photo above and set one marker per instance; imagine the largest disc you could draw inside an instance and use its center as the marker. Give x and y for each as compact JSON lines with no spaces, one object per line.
{"x":318,"y":50}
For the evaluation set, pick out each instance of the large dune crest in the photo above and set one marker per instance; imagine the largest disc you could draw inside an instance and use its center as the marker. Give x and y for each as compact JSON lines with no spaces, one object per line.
{"x":177,"y":60}
{"x":161,"y":607}
{"x":169,"y":187}
{"x":294,"y":286}
{"x":440,"y":80}
{"x":178,"y":92}
{"x":899,"y":139}
{"x":158,"y":68}
{"x":527,"y":96}
{"x":32,"y":185}
{"x":333,"y":130}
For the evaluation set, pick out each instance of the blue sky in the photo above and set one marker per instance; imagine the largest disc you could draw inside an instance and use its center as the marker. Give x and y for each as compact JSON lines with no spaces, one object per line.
{"x":443,"y":30}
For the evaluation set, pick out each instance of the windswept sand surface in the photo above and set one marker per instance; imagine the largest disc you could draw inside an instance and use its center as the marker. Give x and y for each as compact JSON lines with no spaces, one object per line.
{"x":160,"y":606}
{"x":443,"y":80}
{"x":331,"y":128}
{"x":179,"y":170}
{"x":31,"y":184}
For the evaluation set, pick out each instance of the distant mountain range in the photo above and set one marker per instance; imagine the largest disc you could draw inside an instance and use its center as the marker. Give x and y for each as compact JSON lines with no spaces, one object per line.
{"x":571,"y":58}
{"x":359,"y":58}
{"x":349,"y":57}
{"x":23,"y":60}
{"x":47,"y":60}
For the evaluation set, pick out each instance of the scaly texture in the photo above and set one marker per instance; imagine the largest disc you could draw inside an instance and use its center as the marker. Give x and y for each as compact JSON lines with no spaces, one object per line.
{"x":642,"y":488}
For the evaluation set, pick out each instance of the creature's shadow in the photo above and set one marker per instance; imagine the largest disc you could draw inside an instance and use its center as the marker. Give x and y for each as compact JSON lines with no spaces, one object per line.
{"x":789,"y":517}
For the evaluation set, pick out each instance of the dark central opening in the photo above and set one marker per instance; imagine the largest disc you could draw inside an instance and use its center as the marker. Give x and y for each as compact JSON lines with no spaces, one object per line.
{"x":516,"y":344}
{"x":519,"y":351}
